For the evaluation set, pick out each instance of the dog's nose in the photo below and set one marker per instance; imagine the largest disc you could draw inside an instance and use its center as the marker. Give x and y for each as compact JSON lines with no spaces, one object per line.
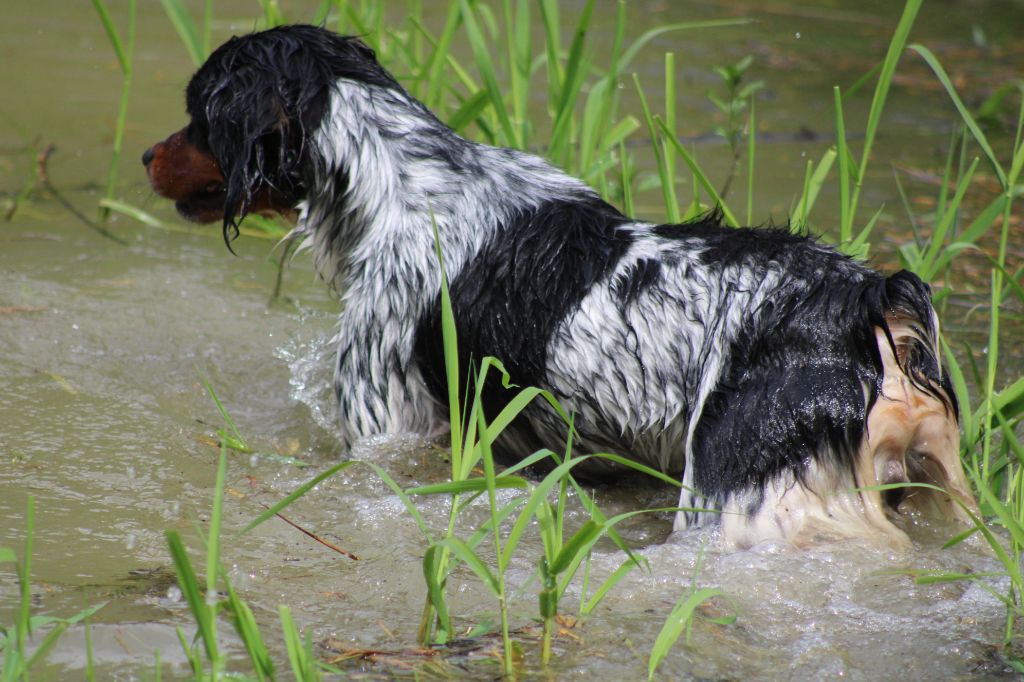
{"x":147,"y":156}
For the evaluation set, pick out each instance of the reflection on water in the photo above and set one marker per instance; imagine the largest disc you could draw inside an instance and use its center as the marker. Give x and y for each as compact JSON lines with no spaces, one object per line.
{"x":103,"y":349}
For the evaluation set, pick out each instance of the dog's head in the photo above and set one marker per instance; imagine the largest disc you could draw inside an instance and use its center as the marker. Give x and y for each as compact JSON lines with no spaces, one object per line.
{"x":255,"y":106}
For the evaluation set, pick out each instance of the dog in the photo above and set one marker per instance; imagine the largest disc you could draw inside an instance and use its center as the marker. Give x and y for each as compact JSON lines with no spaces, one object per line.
{"x":783,"y":381}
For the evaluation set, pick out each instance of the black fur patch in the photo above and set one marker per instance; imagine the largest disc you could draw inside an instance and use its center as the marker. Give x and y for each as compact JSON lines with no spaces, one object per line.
{"x":637,"y":279}
{"x":509,"y":300}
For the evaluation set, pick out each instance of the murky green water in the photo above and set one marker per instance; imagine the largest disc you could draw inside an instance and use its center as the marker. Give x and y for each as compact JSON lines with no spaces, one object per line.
{"x":103,"y":348}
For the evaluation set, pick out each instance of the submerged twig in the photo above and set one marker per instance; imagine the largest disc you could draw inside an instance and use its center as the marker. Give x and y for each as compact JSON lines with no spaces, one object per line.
{"x":323,"y":542}
{"x":44,"y":180}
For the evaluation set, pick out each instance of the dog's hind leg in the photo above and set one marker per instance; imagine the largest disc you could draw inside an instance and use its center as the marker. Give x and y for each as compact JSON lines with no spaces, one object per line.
{"x":912,"y":437}
{"x":776,"y":453}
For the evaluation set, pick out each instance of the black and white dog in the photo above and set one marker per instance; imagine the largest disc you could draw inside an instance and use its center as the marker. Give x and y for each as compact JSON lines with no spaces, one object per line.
{"x":776,"y":376}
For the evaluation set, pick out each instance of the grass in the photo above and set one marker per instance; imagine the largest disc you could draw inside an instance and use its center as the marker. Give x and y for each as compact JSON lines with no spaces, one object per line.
{"x":586,"y":133}
{"x":17,"y":662}
{"x":214,"y":597}
{"x":125,"y":53}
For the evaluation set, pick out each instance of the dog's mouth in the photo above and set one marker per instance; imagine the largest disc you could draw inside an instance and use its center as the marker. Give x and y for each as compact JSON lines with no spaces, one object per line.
{"x":205,"y":205}
{"x":191,"y":177}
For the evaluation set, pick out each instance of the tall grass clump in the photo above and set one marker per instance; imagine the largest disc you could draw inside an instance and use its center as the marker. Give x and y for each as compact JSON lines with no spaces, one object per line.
{"x":17,"y":661}
{"x":583,"y":98}
{"x":213,"y":596}
{"x":991,"y":414}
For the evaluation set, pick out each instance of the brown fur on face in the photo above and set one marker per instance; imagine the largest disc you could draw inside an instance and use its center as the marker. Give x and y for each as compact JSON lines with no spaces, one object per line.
{"x":191,"y":177}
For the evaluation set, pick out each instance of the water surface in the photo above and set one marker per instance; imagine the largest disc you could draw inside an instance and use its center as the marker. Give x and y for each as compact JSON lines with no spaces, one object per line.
{"x":105,"y":421}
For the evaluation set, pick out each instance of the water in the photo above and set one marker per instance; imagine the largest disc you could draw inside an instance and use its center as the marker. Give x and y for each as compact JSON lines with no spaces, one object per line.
{"x":105,"y":420}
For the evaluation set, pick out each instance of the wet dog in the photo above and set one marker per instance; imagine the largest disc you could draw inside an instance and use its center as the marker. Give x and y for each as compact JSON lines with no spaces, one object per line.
{"x":780,"y":379}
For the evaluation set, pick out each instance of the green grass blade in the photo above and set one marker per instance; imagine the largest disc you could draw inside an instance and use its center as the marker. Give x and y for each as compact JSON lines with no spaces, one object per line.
{"x":965,"y":114}
{"x":434,"y":68}
{"x":297,"y":493}
{"x":186,"y":28}
{"x":481,"y":54}
{"x":1010,"y":400}
{"x":125,"y":56}
{"x":213,"y":536}
{"x":486,"y":528}
{"x":637,"y":466}
{"x":930,"y":266}
{"x":667,"y":181}
{"x":751,"y":149}
{"x":293,"y":644}
{"x":449,"y":333}
{"x":862,"y":81}
{"x":812,"y":186}
{"x":607,"y":527}
{"x":585,"y":537}
{"x":980,"y":226}
{"x":537,"y":497}
{"x":858,"y":248}
{"x":518,"y":44}
{"x":553,"y":49}
{"x":527,"y":462}
{"x":517,"y":405}
{"x":469,"y":111}
{"x":112,"y":35}
{"x":467,"y":556}
{"x":132,"y":212}
{"x":576,"y":69}
{"x":469,"y":485}
{"x":670,"y":125}
{"x":224,"y":414}
{"x":1010,"y":563}
{"x":679,"y":620}
{"x":963,"y":395}
{"x":631,"y":52}
{"x":627,"y":182}
{"x":45,"y":646}
{"x":896,"y":45}
{"x":698,"y":173}
{"x":845,"y":219}
{"x":433,"y":559}
{"x":249,"y":632}
{"x":190,"y":589}
{"x":610,"y":582}
{"x":406,"y":501}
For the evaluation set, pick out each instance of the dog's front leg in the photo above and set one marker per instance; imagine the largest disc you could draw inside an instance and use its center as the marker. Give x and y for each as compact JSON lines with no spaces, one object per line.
{"x":378,"y":386}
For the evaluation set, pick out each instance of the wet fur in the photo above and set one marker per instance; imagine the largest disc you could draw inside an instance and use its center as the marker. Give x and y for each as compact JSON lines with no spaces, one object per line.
{"x":773,"y":374}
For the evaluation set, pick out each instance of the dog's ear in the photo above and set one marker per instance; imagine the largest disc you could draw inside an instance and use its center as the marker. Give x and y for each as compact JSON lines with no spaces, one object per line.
{"x":247,"y":118}
{"x":257,"y":101}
